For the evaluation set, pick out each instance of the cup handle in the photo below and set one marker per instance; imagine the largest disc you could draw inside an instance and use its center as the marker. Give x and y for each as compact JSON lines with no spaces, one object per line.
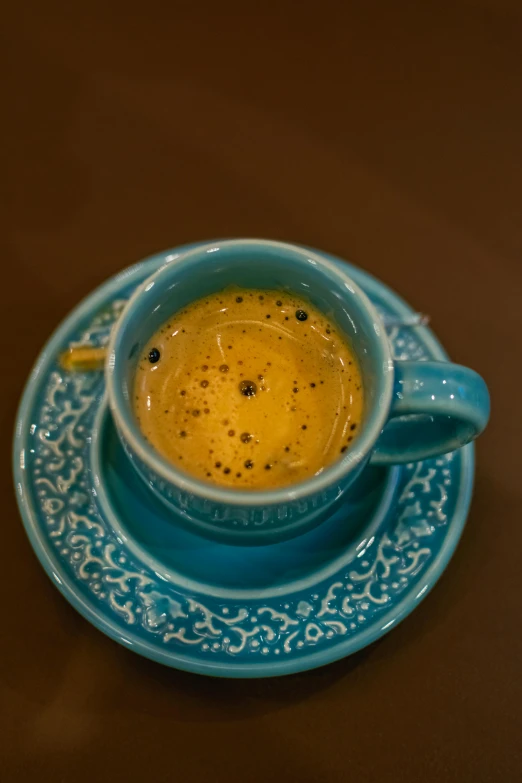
{"x":436,"y":407}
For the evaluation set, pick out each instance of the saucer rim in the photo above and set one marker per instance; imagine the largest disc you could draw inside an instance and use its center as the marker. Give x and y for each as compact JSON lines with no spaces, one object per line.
{"x":67,"y":585}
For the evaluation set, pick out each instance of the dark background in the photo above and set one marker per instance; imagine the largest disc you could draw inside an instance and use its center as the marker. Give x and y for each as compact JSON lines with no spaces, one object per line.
{"x":389,"y":133}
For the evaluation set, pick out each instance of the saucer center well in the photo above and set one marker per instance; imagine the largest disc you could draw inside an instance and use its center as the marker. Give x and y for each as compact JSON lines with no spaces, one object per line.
{"x":187,"y":559}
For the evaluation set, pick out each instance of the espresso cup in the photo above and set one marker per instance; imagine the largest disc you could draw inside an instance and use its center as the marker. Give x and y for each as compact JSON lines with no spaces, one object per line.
{"x":412,"y":410}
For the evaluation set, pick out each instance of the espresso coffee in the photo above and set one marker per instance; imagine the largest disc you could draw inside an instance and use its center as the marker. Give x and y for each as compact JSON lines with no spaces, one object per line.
{"x":249,"y":389}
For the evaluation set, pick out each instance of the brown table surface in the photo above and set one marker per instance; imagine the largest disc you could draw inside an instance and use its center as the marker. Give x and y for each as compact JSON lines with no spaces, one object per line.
{"x":389,"y":133}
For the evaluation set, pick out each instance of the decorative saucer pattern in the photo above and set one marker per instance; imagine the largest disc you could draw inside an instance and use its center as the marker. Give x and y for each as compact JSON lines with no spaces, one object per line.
{"x":202,"y":631}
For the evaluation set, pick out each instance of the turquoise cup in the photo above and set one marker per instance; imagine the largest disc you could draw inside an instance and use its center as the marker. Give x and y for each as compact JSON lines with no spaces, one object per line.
{"x":412,"y":410}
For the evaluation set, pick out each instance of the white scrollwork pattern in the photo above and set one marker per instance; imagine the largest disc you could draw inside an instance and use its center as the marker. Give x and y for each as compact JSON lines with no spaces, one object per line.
{"x":86,"y":544}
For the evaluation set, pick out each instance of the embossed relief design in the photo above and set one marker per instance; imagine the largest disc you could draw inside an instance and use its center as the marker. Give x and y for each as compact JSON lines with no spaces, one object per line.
{"x":85,"y":543}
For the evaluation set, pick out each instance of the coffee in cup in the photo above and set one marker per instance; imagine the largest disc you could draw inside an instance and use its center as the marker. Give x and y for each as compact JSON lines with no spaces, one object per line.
{"x":249,"y":389}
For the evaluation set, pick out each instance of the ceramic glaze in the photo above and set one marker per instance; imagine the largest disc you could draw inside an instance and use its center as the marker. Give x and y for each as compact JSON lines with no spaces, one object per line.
{"x":180,"y":599}
{"x":412,"y":411}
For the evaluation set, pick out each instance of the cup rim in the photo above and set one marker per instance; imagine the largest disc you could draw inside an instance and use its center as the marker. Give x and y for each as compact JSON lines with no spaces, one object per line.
{"x":331,"y":475}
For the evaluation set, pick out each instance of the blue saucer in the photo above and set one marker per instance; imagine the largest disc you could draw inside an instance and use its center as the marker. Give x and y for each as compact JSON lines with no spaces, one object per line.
{"x":211,"y":608}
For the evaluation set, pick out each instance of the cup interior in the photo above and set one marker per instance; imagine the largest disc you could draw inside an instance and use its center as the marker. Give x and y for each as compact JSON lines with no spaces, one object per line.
{"x":254,"y":264}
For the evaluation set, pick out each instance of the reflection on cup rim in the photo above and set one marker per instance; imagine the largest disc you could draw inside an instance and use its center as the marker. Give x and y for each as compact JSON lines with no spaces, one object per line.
{"x":346,"y":293}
